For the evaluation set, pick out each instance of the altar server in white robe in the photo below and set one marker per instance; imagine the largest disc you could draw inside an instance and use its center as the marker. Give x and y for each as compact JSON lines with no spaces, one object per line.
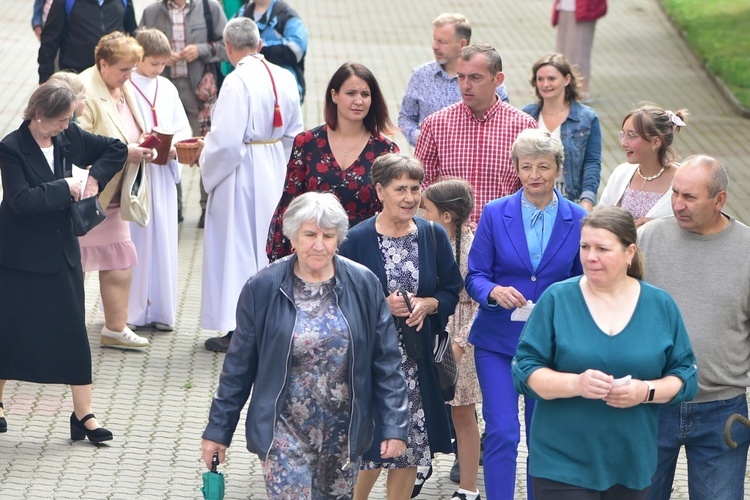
{"x":243,"y":165}
{"x":153,"y":292}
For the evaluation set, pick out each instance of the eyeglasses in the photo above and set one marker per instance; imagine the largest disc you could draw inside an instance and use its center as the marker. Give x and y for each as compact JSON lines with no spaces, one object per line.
{"x":623,"y":137}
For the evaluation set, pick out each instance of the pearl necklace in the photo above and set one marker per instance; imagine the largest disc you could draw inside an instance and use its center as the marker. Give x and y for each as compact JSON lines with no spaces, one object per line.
{"x":653,"y":177}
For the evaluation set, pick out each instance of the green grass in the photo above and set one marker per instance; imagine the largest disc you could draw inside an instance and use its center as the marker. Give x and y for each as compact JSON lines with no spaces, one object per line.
{"x":719,"y":33}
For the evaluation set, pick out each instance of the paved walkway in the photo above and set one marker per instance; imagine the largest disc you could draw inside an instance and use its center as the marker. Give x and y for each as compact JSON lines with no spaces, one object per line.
{"x":156,"y":401}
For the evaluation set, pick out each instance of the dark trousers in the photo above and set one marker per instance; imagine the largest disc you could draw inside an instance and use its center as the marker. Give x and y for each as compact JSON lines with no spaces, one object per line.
{"x":544,"y":489}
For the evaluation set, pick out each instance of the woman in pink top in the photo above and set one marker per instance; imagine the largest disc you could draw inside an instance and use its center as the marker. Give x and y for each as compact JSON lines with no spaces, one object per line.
{"x":111,"y":111}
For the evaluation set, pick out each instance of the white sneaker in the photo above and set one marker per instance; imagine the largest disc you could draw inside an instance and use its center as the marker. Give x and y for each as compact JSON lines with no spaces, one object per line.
{"x":125,"y":338}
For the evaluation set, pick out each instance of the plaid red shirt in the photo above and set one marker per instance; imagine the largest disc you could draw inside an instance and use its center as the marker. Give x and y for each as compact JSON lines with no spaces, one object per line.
{"x":177,"y":15}
{"x":454,"y":143}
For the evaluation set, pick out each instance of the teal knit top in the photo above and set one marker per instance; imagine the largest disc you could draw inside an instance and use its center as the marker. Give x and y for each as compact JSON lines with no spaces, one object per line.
{"x":584,"y":442}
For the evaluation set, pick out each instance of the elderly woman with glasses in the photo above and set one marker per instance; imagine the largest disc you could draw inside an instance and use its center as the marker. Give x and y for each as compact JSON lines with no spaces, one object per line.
{"x":316,"y":345}
{"x":524,"y":243}
{"x":412,"y":258}
{"x":43,"y":335}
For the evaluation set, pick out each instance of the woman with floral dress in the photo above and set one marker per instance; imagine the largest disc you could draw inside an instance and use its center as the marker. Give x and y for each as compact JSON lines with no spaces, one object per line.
{"x":337,"y":157}
{"x":414,"y":258}
{"x":449,"y":203}
{"x":316,"y":345}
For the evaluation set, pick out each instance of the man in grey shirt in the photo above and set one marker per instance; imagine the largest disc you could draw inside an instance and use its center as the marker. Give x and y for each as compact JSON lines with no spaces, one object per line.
{"x":700,"y":257}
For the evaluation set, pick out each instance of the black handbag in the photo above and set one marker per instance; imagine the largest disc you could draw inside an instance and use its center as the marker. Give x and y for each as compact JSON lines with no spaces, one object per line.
{"x":409,"y":333}
{"x":445,"y":365}
{"x":86,"y":214}
{"x":445,"y":360}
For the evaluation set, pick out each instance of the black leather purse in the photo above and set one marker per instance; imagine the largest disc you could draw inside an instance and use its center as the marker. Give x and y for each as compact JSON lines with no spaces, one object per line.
{"x":86,"y":214}
{"x":409,"y":333}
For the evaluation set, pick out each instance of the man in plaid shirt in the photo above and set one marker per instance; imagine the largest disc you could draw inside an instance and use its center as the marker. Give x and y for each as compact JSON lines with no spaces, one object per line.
{"x":472,"y":139}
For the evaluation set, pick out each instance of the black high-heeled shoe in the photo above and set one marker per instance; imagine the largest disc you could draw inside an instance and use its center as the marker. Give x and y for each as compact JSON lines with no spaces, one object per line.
{"x":78,"y":430}
{"x":3,"y":422}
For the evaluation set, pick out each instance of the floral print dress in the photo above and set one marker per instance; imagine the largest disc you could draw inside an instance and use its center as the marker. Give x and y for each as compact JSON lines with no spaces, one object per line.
{"x":312,"y":167}
{"x":309,"y":451}
{"x":401,"y":259}
{"x":458,"y":327}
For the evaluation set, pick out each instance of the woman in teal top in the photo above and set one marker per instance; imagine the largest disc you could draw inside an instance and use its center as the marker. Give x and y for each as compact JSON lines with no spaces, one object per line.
{"x":599,"y":353}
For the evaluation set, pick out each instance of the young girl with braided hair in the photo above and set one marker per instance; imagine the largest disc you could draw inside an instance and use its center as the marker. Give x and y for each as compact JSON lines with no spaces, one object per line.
{"x":449,"y":203}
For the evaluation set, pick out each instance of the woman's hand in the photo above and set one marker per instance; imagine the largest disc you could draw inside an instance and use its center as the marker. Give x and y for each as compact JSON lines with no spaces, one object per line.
{"x":628,"y":395}
{"x":189,"y":53}
{"x":74,"y":185}
{"x":586,"y":205}
{"x":397,"y":305}
{"x":421,"y":307}
{"x":92,"y":187}
{"x":209,"y":448}
{"x":173,"y":153}
{"x":137,"y":153}
{"x":507,"y":297}
{"x":593,"y":384}
{"x":390,"y":448}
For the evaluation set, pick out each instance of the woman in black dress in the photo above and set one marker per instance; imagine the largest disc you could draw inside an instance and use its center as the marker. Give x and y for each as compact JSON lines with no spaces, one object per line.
{"x":43,"y":335}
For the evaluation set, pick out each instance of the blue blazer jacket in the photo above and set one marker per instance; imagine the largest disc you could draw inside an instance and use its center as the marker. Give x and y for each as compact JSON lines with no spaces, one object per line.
{"x":500,"y":256}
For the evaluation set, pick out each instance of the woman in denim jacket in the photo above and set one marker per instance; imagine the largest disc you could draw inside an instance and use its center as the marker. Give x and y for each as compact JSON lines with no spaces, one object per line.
{"x":558,"y":111}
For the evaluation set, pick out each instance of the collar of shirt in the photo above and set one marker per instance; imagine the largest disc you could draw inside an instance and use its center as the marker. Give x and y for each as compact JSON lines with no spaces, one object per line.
{"x":172,"y":5}
{"x":439,"y":71}
{"x":537,"y":225}
{"x":492,"y":111}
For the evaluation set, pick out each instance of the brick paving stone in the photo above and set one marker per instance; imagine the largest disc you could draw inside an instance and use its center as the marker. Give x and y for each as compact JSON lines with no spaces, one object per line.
{"x":156,"y":401}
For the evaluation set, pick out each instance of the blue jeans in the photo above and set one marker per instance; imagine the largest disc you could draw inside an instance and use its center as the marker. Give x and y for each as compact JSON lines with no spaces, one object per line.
{"x":500,"y":412}
{"x":715,"y":471}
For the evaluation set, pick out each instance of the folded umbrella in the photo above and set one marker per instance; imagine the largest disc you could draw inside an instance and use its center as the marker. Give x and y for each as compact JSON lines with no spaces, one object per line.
{"x":213,"y":482}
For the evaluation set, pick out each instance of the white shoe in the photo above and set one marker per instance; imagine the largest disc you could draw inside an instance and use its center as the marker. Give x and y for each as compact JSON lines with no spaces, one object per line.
{"x":125,"y":338}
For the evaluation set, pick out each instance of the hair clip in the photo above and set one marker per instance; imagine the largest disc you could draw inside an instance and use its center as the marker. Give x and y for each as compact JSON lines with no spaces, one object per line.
{"x":676,"y":120}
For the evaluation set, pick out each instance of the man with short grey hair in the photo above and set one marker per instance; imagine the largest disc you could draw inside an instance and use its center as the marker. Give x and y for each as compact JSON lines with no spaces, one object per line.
{"x":700,"y":257}
{"x":434,"y":85}
{"x":258,"y":109}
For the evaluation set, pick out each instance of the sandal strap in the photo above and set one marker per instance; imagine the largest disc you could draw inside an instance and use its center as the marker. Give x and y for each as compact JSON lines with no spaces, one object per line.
{"x":1,"y":405}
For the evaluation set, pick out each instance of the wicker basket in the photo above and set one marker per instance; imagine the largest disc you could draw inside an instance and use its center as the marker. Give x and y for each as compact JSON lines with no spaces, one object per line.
{"x":188,"y":151}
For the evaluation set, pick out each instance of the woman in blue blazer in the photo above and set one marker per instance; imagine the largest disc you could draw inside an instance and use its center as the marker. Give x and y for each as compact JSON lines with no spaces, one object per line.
{"x":523,"y":244}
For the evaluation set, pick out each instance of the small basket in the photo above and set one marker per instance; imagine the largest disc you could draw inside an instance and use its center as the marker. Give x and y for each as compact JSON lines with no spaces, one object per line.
{"x":188,"y":151}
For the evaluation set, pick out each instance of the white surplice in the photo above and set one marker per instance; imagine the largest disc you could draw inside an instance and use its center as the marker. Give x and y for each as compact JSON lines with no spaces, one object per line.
{"x":243,"y":166}
{"x":153,"y":292}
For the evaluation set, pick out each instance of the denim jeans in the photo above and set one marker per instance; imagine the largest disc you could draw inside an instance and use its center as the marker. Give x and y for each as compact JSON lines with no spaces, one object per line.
{"x":715,"y":471}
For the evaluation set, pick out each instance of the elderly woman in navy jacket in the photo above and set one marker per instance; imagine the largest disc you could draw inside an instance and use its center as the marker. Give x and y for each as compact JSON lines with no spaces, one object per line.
{"x":524,"y":243}
{"x":411,"y":256}
{"x":316,"y":345}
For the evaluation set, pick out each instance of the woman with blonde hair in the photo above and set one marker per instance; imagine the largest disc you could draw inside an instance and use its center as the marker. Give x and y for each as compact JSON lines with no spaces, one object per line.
{"x":112,"y":111}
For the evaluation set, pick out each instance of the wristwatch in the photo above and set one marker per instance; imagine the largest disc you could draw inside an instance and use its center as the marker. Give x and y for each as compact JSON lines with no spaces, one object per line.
{"x":651,"y":392}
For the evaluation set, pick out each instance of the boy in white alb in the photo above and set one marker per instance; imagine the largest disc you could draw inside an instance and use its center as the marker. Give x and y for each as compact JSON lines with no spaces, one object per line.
{"x":153,"y":293}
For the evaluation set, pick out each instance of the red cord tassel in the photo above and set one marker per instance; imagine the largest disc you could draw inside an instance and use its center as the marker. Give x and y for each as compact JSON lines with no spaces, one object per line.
{"x":277,"y":122}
